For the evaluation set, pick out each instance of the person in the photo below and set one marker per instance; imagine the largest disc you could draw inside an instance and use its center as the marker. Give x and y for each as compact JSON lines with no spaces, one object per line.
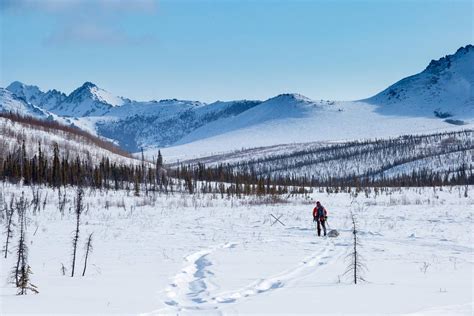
{"x":320,"y":216}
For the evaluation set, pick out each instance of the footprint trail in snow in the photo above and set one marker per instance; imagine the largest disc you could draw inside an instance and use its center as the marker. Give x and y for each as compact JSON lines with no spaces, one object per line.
{"x":192,"y":289}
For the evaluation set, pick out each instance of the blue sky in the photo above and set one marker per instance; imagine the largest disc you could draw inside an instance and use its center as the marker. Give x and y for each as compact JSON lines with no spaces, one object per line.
{"x":227,"y":49}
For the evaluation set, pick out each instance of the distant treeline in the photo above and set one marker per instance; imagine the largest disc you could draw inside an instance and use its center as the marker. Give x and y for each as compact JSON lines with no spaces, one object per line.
{"x":224,"y":181}
{"x":251,"y":182}
{"x":322,"y":166}
{"x":57,"y":170}
{"x":371,"y":160}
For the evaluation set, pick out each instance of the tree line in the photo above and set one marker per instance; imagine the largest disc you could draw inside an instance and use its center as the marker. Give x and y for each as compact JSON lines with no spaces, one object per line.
{"x":357,"y":163}
{"x":49,"y":167}
{"x":250,"y":181}
{"x":57,"y":170}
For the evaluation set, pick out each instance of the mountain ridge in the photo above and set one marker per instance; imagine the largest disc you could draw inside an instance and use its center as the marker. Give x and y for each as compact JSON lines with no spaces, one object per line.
{"x":444,"y":86}
{"x":439,"y":96}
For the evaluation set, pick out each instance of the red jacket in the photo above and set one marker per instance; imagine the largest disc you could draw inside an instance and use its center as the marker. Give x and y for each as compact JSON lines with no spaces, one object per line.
{"x":315,"y":212}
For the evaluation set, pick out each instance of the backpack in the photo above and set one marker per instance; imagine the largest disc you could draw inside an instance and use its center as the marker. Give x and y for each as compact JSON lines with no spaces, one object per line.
{"x":321,"y":212}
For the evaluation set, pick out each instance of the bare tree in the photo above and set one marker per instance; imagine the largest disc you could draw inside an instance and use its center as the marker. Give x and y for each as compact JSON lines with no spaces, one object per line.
{"x":62,"y":202}
{"x":356,"y":267}
{"x":22,"y":271}
{"x":36,"y":199}
{"x":79,"y":207}
{"x":63,"y":269}
{"x":3,"y":207}
{"x":45,"y":200}
{"x":88,"y":251}
{"x":9,"y":225}
{"x":22,"y":247}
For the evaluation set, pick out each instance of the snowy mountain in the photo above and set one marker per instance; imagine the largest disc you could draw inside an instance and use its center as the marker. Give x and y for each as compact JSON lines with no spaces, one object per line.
{"x":33,"y":95}
{"x":9,"y":102}
{"x":88,"y":100}
{"x":29,"y":93}
{"x":438,"y":98}
{"x":282,"y":108}
{"x":443,"y":89}
{"x":165,"y":122}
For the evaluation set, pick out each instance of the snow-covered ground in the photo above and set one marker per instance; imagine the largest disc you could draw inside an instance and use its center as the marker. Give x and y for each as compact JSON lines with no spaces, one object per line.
{"x":184,"y":254}
{"x":355,"y":121}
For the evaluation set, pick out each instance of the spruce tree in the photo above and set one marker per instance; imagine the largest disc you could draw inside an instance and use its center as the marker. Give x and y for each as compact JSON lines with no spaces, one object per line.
{"x":56,"y":166}
{"x":79,"y":207}
{"x":159,"y":160}
{"x":356,"y":266}
{"x":22,"y":271}
{"x":40,"y":164}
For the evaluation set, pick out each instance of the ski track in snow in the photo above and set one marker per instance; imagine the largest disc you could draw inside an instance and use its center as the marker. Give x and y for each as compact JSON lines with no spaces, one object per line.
{"x":192,"y":288}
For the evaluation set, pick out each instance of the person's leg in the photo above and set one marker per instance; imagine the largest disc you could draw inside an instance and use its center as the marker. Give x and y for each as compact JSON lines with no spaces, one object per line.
{"x":319,"y":227}
{"x":323,"y":223}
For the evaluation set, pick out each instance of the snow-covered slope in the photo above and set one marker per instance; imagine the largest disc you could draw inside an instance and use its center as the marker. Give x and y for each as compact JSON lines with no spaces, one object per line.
{"x":340,"y":121}
{"x":141,"y":125}
{"x":9,"y":102}
{"x":33,"y":95}
{"x":440,"y":152}
{"x":88,"y":100}
{"x":283,"y":108}
{"x":71,"y":144}
{"x":444,"y":89}
{"x":29,"y":93}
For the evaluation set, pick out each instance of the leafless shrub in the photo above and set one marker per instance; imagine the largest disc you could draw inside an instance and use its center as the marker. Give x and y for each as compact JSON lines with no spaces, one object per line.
{"x":22,"y":271}
{"x":36,"y":197}
{"x":63,"y":269}
{"x":9,"y":211}
{"x":78,"y":209}
{"x":425,"y":267}
{"x":266,"y":200}
{"x":356,"y":267}
{"x":88,"y":249}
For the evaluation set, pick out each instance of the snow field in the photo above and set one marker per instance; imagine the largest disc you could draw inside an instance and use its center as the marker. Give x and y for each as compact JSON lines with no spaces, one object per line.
{"x":203,"y":254}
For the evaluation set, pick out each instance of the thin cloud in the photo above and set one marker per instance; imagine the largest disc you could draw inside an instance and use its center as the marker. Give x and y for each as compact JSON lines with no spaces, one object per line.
{"x":64,"y":6}
{"x":86,"y":32}
{"x":79,"y":22}
{"x":97,"y":34}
